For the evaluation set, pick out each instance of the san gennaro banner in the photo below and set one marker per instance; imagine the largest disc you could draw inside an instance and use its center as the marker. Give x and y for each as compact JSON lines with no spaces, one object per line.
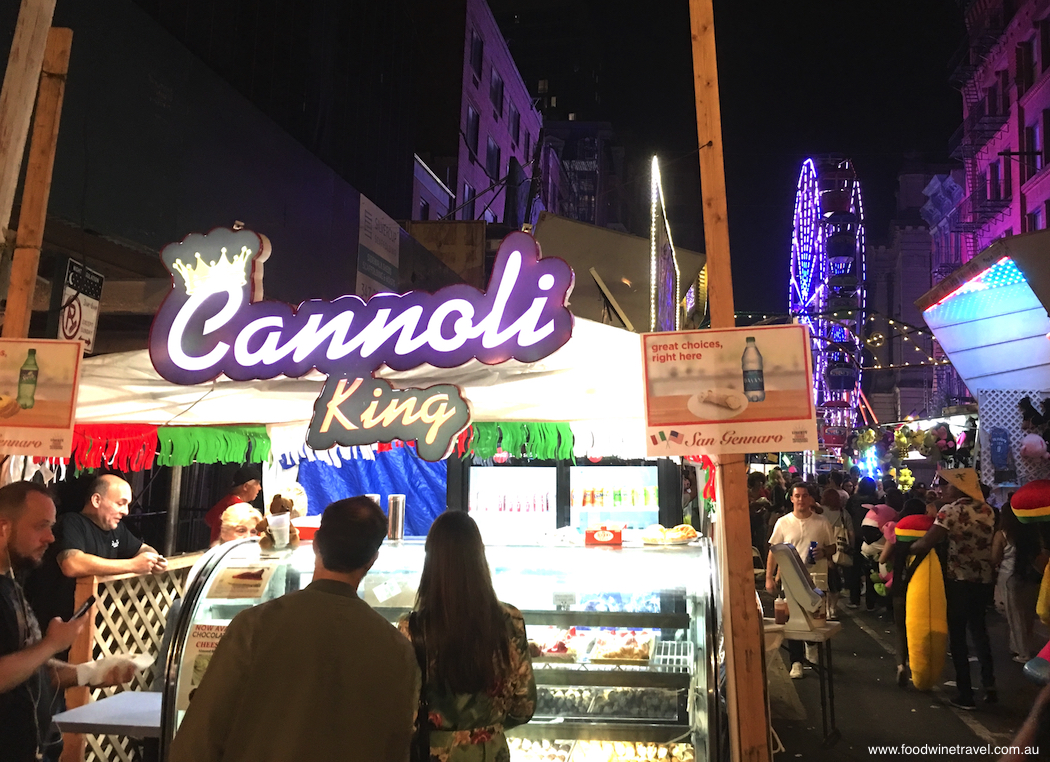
{"x":739,"y":390}
{"x":214,"y":322}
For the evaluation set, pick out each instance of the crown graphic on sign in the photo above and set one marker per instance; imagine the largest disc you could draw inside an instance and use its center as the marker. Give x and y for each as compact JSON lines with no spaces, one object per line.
{"x":219,"y":275}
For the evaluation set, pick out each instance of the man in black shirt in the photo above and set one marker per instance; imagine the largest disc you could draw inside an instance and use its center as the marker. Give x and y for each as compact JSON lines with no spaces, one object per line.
{"x":93,"y":542}
{"x":30,"y":679}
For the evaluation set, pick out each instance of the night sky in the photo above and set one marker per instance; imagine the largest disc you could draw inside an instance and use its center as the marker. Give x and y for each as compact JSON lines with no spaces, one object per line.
{"x":868,"y":80}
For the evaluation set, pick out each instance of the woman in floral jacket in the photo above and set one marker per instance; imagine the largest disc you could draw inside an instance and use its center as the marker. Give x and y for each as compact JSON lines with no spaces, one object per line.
{"x":479,"y":681}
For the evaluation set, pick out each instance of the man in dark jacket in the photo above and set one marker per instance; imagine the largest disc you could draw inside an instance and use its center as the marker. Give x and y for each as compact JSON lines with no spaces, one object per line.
{"x":865,"y":495}
{"x":312,"y":675}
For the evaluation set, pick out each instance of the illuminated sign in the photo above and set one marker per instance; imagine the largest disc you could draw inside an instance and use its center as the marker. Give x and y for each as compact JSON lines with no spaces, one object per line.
{"x":214,"y":322}
{"x":358,"y":411}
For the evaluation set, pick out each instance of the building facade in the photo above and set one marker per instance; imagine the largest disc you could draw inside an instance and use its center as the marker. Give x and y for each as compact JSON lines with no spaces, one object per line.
{"x":1004,"y":76}
{"x":474,"y":115}
{"x":336,"y":75}
{"x":1003,"y":73}
{"x":154,"y":144}
{"x":899,"y":272}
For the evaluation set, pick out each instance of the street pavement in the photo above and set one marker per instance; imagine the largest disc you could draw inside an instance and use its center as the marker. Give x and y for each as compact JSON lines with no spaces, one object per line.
{"x":872,"y":711}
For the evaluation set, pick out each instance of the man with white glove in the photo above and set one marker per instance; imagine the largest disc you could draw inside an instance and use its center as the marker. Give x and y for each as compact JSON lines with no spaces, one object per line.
{"x":30,"y":679}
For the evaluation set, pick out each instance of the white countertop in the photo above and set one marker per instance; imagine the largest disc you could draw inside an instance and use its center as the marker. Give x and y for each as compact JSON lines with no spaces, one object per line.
{"x":131,"y":713}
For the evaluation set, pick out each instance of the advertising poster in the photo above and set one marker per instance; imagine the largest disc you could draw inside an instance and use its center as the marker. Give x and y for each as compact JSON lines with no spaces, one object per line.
{"x":248,"y":580}
{"x":740,"y":390}
{"x":378,"y":253}
{"x":200,"y":645}
{"x":38,"y":396}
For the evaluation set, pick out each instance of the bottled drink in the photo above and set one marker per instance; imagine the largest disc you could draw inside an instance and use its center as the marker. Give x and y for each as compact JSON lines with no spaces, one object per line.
{"x":810,"y":558}
{"x":27,"y":381}
{"x":751,"y":362}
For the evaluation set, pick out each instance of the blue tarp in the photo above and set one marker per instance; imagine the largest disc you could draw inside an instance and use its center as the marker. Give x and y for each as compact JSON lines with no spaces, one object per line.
{"x":398,"y":471}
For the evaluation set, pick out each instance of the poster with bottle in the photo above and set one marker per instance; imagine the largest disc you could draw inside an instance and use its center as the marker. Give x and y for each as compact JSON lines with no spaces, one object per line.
{"x":200,"y":645}
{"x":738,"y":390}
{"x":38,"y":396}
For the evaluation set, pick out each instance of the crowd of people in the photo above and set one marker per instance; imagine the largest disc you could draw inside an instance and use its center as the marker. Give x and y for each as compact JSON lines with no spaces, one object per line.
{"x":842,"y":525}
{"x":455,"y":674}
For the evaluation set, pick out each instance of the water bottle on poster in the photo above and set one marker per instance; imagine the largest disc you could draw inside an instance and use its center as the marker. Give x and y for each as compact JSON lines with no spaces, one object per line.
{"x":751,"y":364}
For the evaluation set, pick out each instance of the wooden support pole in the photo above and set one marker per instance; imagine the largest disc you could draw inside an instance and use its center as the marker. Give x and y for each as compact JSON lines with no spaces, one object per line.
{"x":37,"y":189}
{"x":745,"y":654}
{"x":171,"y":534}
{"x":18,"y":94}
{"x":74,"y":744}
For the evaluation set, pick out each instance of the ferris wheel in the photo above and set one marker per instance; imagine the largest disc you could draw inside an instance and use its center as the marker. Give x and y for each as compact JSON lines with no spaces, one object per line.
{"x":827,"y":286}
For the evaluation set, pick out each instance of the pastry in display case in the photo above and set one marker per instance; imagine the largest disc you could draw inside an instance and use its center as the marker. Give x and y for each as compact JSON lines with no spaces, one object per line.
{"x":622,"y":638}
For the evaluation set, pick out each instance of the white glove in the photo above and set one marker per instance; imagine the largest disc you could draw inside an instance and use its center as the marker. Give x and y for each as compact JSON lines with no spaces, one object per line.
{"x":94,"y":673}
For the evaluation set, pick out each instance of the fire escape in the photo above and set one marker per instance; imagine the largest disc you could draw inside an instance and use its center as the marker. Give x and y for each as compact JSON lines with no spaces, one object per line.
{"x":986,"y":113}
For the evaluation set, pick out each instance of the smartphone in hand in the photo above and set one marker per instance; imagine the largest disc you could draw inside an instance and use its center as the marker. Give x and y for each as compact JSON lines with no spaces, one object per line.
{"x":83,"y":609}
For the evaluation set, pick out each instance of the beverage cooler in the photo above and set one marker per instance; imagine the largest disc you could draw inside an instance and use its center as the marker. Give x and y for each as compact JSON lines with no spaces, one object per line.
{"x":532,"y":499}
{"x":625,"y":641}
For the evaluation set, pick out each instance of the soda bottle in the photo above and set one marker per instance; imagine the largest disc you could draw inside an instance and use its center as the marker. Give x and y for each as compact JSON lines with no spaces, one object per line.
{"x":810,"y":558}
{"x":27,"y":381}
{"x":751,"y":362}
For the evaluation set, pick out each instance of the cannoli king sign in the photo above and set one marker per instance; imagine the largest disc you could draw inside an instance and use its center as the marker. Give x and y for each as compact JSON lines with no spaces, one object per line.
{"x":214,"y":322}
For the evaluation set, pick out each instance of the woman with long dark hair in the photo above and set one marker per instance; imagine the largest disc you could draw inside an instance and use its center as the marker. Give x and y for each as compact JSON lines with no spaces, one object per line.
{"x":479,"y":680}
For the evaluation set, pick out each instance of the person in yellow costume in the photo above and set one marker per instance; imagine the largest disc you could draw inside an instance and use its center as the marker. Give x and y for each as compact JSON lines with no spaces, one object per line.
{"x":967,"y":522}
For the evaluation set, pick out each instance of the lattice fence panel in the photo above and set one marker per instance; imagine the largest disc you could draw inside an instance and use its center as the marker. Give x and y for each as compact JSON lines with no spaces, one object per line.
{"x":998,"y":407}
{"x":132,"y":614}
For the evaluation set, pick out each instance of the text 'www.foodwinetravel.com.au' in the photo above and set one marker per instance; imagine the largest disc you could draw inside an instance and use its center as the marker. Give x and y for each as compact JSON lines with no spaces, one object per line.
{"x":962,"y":750}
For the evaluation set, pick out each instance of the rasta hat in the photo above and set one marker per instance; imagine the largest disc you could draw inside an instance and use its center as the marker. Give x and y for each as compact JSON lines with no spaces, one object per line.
{"x":245,"y":474}
{"x":965,"y":480}
{"x":1031,"y":503}
{"x":911,"y":528}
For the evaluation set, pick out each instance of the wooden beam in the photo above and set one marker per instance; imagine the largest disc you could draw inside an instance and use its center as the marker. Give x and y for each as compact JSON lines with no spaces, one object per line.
{"x":37,"y":188}
{"x":745,"y":652}
{"x":18,"y":94}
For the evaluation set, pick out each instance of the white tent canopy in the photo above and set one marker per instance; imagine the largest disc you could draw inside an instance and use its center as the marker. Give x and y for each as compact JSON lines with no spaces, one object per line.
{"x":596,"y":375}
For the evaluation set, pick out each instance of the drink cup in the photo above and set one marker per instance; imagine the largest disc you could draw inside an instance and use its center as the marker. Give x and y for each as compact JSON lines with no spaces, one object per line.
{"x":781,"y":612}
{"x":279,"y":525}
{"x":374,"y":499}
{"x":395,"y":528}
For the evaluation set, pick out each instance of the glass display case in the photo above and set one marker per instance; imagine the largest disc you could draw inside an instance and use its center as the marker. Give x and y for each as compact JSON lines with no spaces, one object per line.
{"x":624,"y":640}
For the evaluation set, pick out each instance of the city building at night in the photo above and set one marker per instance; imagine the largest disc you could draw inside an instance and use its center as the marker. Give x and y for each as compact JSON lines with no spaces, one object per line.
{"x":157,"y":140}
{"x":1003,"y":73}
{"x":474,"y":115}
{"x":899,"y":272}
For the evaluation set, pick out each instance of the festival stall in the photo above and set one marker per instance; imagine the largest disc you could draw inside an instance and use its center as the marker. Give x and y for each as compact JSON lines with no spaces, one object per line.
{"x":644,"y":645}
{"x":582,"y":401}
{"x":914,"y":450}
{"x":990,"y":318}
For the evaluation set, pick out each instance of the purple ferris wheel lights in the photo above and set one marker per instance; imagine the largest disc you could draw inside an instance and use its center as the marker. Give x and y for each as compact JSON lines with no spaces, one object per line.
{"x":827,"y":274}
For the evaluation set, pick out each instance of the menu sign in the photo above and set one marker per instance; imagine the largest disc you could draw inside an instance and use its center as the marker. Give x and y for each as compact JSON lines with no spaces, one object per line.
{"x":200,"y":645}
{"x":739,"y":390}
